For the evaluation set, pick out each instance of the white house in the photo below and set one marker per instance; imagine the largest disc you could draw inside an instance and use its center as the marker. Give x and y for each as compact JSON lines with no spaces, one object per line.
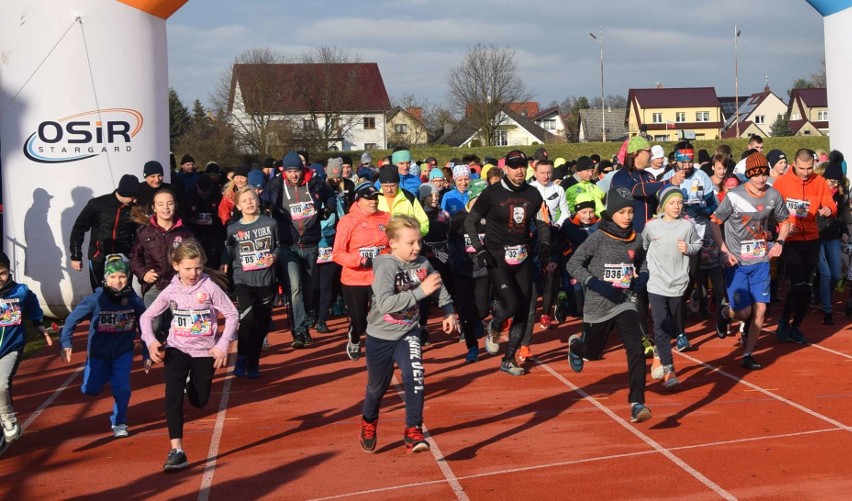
{"x":513,"y":130}
{"x":550,"y":120}
{"x":756,"y":115}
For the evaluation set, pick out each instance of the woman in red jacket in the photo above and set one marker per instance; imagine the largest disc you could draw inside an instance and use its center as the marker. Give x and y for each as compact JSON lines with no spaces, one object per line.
{"x":360,"y":237}
{"x":150,"y":259}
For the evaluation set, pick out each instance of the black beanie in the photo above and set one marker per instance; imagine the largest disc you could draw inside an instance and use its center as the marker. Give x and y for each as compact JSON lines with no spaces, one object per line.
{"x":152,"y":167}
{"x":186,"y":158}
{"x":389,"y":174}
{"x":4,"y":260}
{"x":128,"y":186}
{"x":618,"y":198}
{"x":242,"y":170}
{"x":833,"y":171}
{"x":269,"y":163}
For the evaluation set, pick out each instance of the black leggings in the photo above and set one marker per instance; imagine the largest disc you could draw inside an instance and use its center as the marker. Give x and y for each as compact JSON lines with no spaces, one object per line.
{"x":513,"y":286}
{"x":473,"y":308}
{"x":324,"y":289}
{"x":177,"y":366}
{"x":255,"y":307}
{"x":800,"y":261}
{"x":357,"y":299}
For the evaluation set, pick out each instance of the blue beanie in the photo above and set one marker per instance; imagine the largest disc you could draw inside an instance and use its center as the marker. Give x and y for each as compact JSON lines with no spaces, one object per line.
{"x":435,"y":173}
{"x":256,"y":178}
{"x":292,"y":161}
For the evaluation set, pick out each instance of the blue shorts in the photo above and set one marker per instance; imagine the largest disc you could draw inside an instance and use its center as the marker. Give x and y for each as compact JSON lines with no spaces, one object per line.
{"x":747,"y":284}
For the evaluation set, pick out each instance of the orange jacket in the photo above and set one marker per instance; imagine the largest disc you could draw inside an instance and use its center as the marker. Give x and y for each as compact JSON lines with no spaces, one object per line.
{"x":804,"y":198}
{"x":358,"y":230}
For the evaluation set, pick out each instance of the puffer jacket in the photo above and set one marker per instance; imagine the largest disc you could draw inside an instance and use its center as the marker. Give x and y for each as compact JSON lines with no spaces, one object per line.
{"x":113,"y":228}
{"x":358,"y":231}
{"x":153,"y":249}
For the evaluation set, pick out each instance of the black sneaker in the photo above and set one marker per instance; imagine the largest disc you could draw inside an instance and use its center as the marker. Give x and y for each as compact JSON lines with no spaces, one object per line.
{"x":175,"y":461}
{"x":750,"y":363}
{"x":723,"y":322}
{"x":368,"y":435}
{"x":353,"y":350}
{"x":322,"y":328}
{"x":308,"y":339}
{"x":298,"y":340}
{"x":575,"y":361}
{"x":424,"y":338}
{"x":783,"y":330}
{"x":639,"y":413}
{"x":826,"y":319}
{"x":796,"y":335}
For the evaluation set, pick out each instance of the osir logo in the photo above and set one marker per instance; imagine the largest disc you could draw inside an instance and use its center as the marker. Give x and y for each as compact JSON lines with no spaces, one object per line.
{"x":84,"y":135}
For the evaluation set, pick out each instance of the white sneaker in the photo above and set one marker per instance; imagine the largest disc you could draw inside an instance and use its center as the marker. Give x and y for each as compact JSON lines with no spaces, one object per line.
{"x":120,"y":431}
{"x":11,"y":428}
{"x":657,"y":366}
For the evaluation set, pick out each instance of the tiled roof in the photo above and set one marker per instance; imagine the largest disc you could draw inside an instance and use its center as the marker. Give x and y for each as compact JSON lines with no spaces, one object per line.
{"x":300,"y":88}
{"x":460,"y":133}
{"x":731,"y":132}
{"x":682,"y":97}
{"x":545,"y":112}
{"x":591,"y":120}
{"x":811,"y":97}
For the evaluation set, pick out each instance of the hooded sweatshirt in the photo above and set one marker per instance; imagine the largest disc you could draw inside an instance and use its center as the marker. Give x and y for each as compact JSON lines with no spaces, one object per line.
{"x":195,"y":309}
{"x":396,"y":297}
{"x":359,"y":235}
{"x":804,"y":198}
{"x":16,"y":300}
{"x":113,"y":326}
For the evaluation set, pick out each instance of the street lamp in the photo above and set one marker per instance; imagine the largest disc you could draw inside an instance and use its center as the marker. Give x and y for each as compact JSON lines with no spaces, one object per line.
{"x":599,"y":39}
{"x":737,"y":79}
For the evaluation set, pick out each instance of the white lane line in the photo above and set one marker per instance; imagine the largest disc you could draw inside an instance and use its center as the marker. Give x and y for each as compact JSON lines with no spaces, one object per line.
{"x":766,"y":392}
{"x":645,"y":438}
{"x":213,"y":451}
{"x":575,"y":462}
{"x":451,"y":478}
{"x":823,"y":348}
{"x":53,"y":396}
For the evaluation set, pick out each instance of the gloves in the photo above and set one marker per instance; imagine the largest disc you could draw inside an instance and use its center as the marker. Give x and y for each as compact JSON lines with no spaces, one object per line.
{"x":485,"y":259}
{"x":367,"y":262}
{"x":640,"y":283}
{"x":605,"y":289}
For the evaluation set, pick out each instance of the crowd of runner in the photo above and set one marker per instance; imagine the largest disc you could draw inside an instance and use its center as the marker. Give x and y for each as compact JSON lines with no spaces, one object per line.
{"x":643,"y":244}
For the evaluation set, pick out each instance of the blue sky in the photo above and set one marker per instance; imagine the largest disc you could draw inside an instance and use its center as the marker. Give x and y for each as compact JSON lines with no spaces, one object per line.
{"x":417,"y":42}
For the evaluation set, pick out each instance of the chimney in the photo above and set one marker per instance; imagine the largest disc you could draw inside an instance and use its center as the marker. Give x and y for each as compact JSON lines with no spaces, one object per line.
{"x":658,"y":85}
{"x":416,"y":112}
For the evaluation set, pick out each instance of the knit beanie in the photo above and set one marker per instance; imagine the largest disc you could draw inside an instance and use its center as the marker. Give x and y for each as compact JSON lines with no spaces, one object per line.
{"x":242,"y":171}
{"x":583,"y":201}
{"x":436,"y":173}
{"x":400,"y":156}
{"x":834,"y":171}
{"x":334,"y":169}
{"x":128,"y":186}
{"x":756,"y":165}
{"x":618,"y":198}
{"x":666,"y":193}
{"x":186,"y":158}
{"x":152,"y":167}
{"x":389,"y":174}
{"x":291,"y":161}
{"x":461,"y":170}
{"x":774,"y":156}
{"x":116,"y":263}
{"x":427,"y":189}
{"x":637,"y":143}
{"x":256,"y":178}
{"x":584,"y":163}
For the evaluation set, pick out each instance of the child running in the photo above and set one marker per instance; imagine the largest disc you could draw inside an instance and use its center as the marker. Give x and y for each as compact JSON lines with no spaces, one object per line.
{"x":16,"y":301}
{"x":192,"y":351}
{"x":252,"y":244}
{"x":402,"y":280}
{"x":668,"y":241}
{"x":606,"y":265}
{"x":114,"y":310}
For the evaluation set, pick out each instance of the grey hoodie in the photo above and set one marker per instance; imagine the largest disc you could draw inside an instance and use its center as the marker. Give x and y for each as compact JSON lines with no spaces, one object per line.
{"x":397,"y":294}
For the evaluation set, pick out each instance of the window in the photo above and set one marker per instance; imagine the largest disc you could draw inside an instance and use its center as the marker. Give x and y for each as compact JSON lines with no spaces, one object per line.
{"x":657,"y":118}
{"x":401,"y":128}
{"x":661,"y":138}
{"x":702,"y":116}
{"x":795,"y":116}
{"x":308,"y":124}
{"x":501,"y":138}
{"x":680,"y":116}
{"x":822,"y":116}
{"x":369,"y":146}
{"x":760,"y":119}
{"x":548,"y":124}
{"x":369,"y":122}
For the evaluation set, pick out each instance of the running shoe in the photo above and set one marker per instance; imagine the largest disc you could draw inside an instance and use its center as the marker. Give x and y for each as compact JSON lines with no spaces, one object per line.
{"x":575,"y":361}
{"x":175,"y":461}
{"x":522,"y":354}
{"x":647,"y":346}
{"x":414,"y":441}
{"x":547,"y":322}
{"x":723,"y":322}
{"x":265,"y":345}
{"x":299,"y":341}
{"x":120,"y":431}
{"x":796,"y":335}
{"x":657,"y":366}
{"x":353,"y":350}
{"x":750,"y":363}
{"x":639,"y":413}
{"x":559,"y":313}
{"x":510,"y":368}
{"x":492,"y":340}
{"x":683,"y":343}
{"x":472,"y":354}
{"x":11,"y":428}
{"x":240,"y":367}
{"x":308,"y":339}
{"x":783,"y":330}
{"x":669,"y":377}
{"x":368,"y":435}
{"x":322,"y":328}
{"x":827,"y":319}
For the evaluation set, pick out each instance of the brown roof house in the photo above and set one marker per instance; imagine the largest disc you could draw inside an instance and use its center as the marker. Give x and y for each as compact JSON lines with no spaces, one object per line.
{"x":321,"y":106}
{"x":405,"y":127}
{"x":808,"y":112}
{"x":670,"y":114}
{"x":756,"y":115}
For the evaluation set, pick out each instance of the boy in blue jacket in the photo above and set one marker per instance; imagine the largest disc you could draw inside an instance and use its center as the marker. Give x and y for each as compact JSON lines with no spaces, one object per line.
{"x":16,"y":302}
{"x":114,"y":310}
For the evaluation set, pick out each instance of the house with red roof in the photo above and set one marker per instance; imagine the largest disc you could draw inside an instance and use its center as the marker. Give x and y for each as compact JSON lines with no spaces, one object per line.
{"x":756,"y":114}
{"x":341,"y":104}
{"x":665,"y":114}
{"x":808,"y":112}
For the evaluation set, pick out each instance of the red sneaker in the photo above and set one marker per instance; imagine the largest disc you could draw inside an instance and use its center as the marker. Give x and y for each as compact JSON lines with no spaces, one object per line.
{"x":368,"y":435}
{"x":547,"y":322}
{"x":414,"y":441}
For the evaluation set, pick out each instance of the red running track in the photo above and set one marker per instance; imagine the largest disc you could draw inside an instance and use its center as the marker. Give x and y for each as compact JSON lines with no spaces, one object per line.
{"x":782,"y":432}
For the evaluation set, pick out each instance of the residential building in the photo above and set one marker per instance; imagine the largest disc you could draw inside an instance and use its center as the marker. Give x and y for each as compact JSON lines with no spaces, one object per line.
{"x":669,"y":114}
{"x":589,"y":127}
{"x":340,"y":106}
{"x":550,"y":119}
{"x":405,"y":127}
{"x":756,"y":114}
{"x":513,"y":129}
{"x":808,"y":112}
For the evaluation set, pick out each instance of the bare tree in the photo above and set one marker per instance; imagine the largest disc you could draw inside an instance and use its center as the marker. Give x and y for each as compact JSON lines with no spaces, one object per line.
{"x":486,"y":80}
{"x":256,"y":128}
{"x":211,"y":141}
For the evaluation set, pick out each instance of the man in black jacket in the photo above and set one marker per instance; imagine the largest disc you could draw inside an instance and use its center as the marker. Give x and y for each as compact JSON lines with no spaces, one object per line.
{"x":113,"y":229}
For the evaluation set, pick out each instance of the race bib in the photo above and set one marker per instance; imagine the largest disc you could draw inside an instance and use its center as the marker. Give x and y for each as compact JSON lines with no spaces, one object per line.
{"x":302,"y":210}
{"x":192,"y":323}
{"x":324,"y":255}
{"x":798,"y":208}
{"x":254,"y":260}
{"x":709,"y":251}
{"x":515,"y":254}
{"x":619,"y":275}
{"x":10,"y":312}
{"x":370,"y":252}
{"x":752,"y":249}
{"x":117,"y":321}
{"x":468,"y":245}
{"x":204,"y":219}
